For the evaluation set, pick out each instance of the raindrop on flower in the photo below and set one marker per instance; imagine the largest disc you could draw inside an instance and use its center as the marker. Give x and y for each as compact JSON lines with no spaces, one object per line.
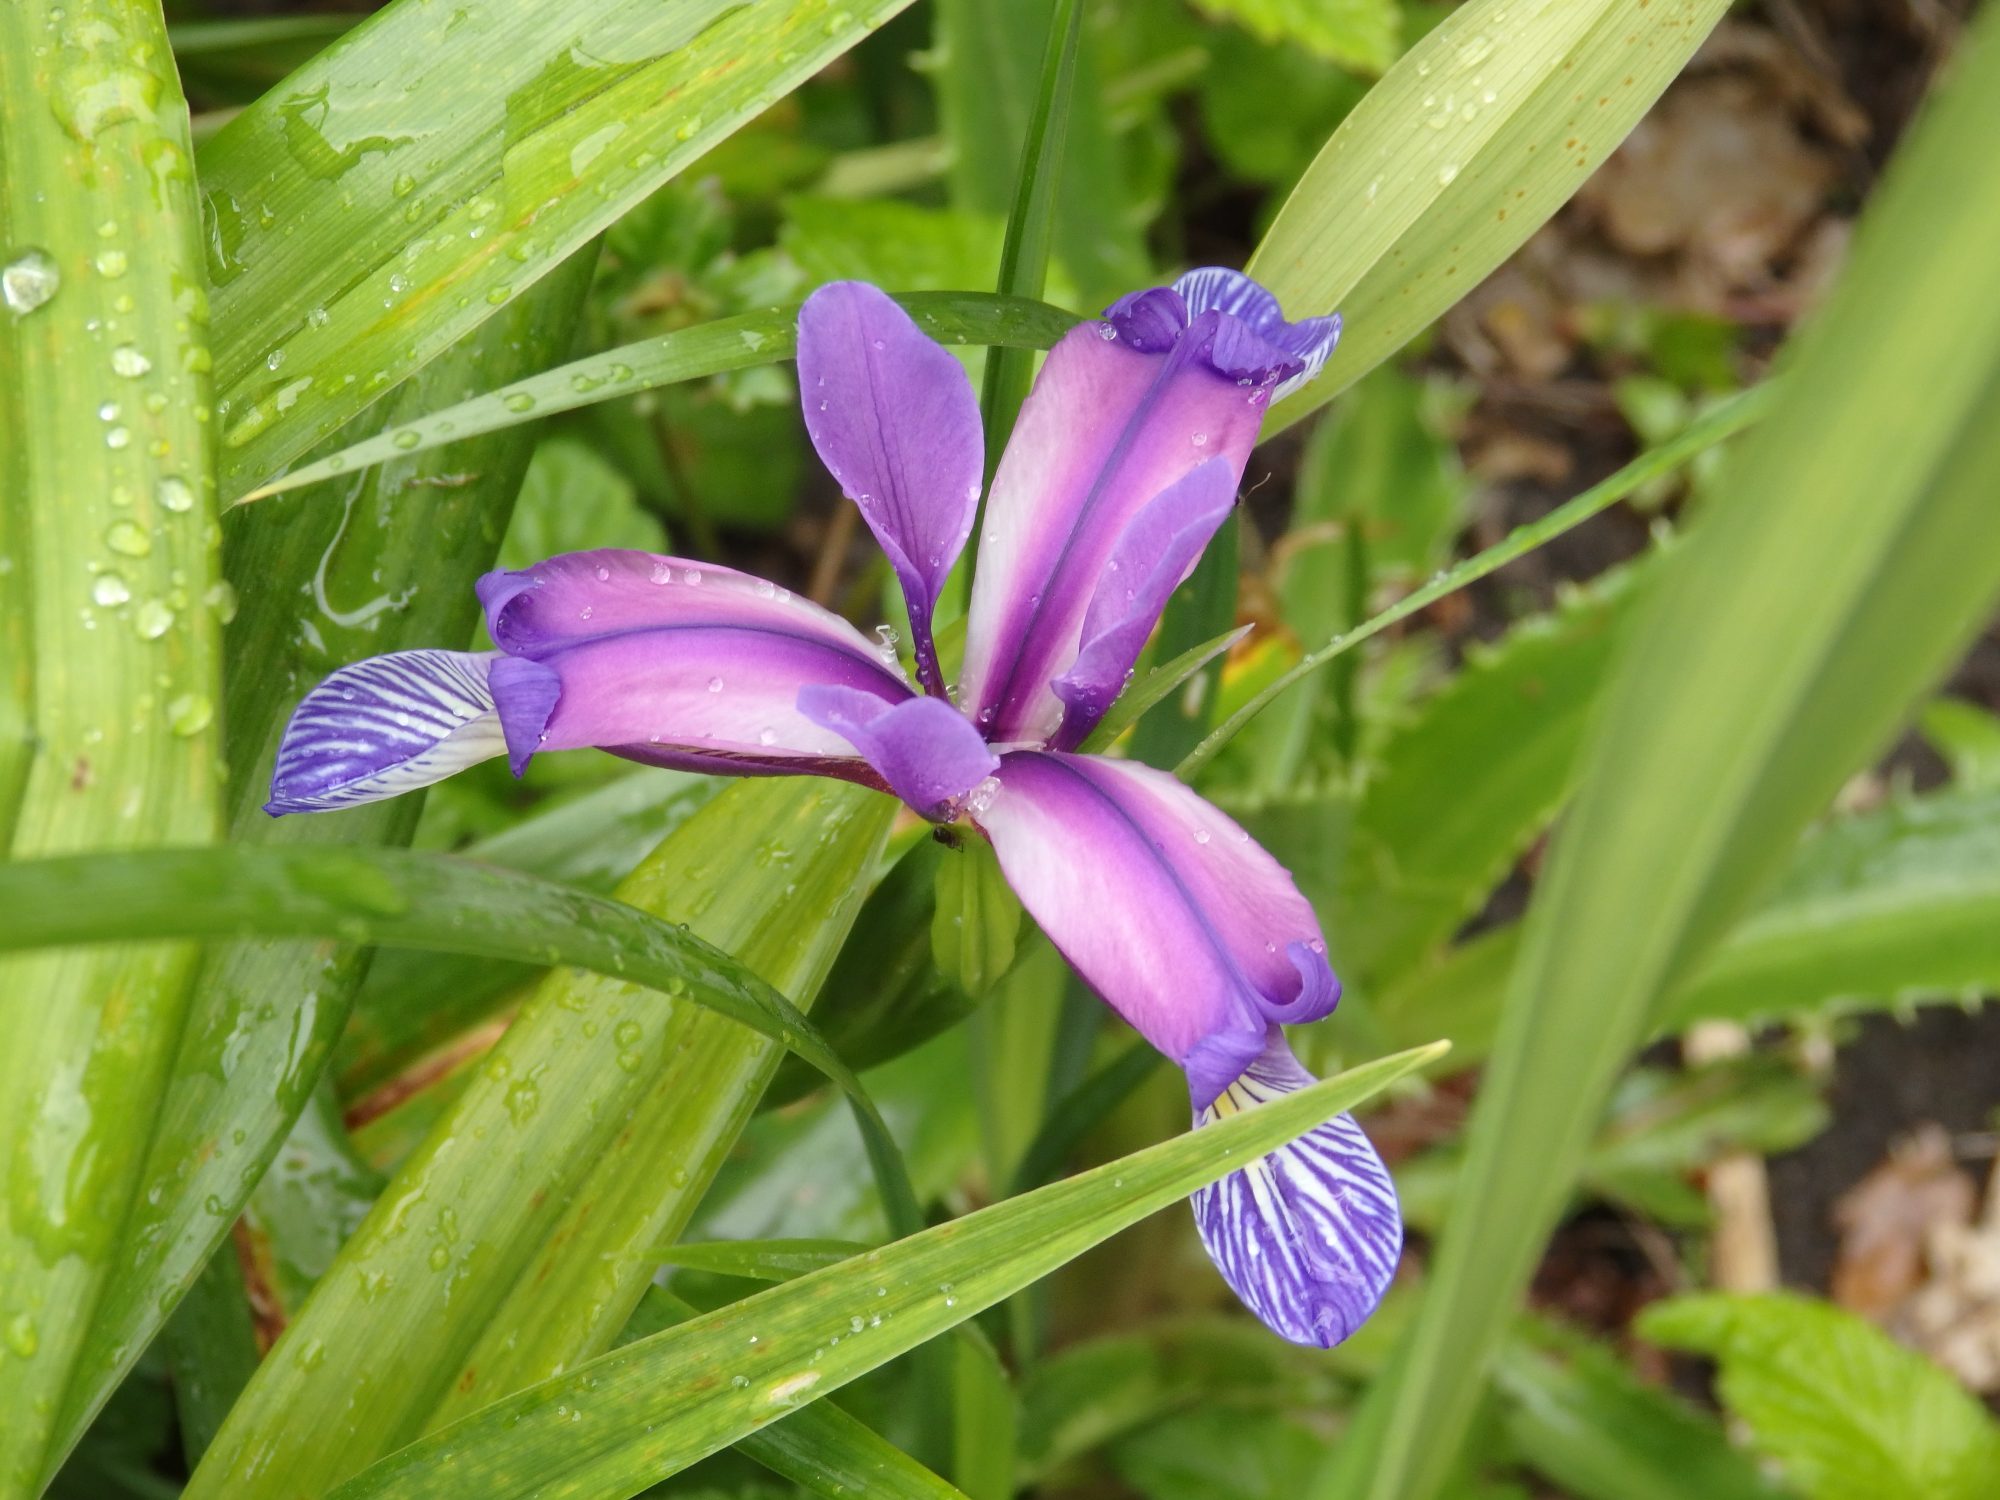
{"x":715,"y":684}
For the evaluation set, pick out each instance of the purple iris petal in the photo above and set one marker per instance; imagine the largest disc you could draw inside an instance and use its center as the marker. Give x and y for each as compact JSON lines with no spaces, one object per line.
{"x":674,"y":663}
{"x":1167,"y":908}
{"x":383,"y":726}
{"x":575,"y":597}
{"x":1157,"y":551}
{"x":1106,"y":429}
{"x":1122,"y":410}
{"x":1308,"y":1236}
{"x":895,"y":422}
{"x":926,"y":750}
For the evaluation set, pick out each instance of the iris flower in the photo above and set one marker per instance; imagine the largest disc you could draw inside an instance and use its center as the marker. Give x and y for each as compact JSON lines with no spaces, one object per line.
{"x":1125,"y":459}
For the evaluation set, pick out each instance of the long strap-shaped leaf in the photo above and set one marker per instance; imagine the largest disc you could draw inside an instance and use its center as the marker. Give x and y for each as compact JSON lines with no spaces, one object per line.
{"x":738,"y":343}
{"x":266,"y":1013}
{"x":1853,"y":548}
{"x":365,"y":218}
{"x":398,"y":898}
{"x":616,"y":1425}
{"x":1464,"y":149}
{"x":108,"y":565}
{"x":1725,"y":421}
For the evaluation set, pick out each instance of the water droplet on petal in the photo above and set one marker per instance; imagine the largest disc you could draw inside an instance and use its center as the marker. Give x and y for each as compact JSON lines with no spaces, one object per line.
{"x":715,"y":684}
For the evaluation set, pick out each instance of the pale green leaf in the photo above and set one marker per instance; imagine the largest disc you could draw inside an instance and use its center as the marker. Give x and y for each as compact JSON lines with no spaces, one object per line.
{"x":1477,"y":135}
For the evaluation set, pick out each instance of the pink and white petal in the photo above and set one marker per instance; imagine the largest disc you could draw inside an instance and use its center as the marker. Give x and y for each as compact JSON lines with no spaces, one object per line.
{"x":1107,"y":427}
{"x":1187,"y":928}
{"x":577,"y":597}
{"x":1310,"y":1235}
{"x":702,"y":696}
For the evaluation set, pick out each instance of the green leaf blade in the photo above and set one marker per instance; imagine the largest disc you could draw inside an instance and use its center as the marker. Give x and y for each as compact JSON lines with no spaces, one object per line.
{"x":616,"y":1425}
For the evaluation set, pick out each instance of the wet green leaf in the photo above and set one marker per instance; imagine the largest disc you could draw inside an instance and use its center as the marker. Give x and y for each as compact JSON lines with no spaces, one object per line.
{"x":1466,"y":147}
{"x":736,"y":343}
{"x":362,"y":220}
{"x":110,"y":595}
{"x":620,"y":1422}
{"x":342,"y":577}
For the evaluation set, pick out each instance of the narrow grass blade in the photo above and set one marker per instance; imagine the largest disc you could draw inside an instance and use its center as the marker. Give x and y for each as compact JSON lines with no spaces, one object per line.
{"x":1727,"y":419}
{"x":819,"y":1447}
{"x":1024,"y":255}
{"x":1466,"y":147}
{"x":316,"y":586}
{"x":1834,"y":575}
{"x":988,"y":54}
{"x":1155,"y":687}
{"x":109,"y":585}
{"x":759,"y":338}
{"x":620,"y":1423}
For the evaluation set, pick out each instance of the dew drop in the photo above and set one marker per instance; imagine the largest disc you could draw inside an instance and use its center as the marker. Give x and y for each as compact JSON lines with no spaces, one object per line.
{"x":108,"y":589}
{"x":126,"y":360}
{"x":111,"y":264}
{"x":128,"y":539}
{"x":175,"y":494}
{"x":29,"y":280}
{"x":408,"y":438}
{"x":189,"y":714}
{"x":153,"y":619}
{"x":520,"y":401}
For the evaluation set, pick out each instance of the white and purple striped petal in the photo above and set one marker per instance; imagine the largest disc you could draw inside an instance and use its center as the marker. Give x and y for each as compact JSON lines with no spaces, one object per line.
{"x":894,"y":420}
{"x":674,"y":663}
{"x":1155,"y":554}
{"x":1257,"y":341}
{"x":1310,"y":1235}
{"x":1166,"y":907}
{"x":385,"y":726}
{"x":926,"y":751}
{"x":1122,"y":410}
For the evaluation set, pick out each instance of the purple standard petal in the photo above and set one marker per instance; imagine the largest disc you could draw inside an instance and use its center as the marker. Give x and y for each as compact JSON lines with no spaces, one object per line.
{"x":1308,"y":1236}
{"x":1166,"y":907}
{"x":926,"y":750}
{"x":1155,"y":554}
{"x":674,"y":663}
{"x":894,"y":420}
{"x":384,"y":726}
{"x":1122,"y":410}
